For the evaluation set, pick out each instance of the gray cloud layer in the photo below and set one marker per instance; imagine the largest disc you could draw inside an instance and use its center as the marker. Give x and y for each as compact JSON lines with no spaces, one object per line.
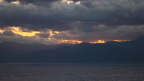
{"x":92,"y":19}
{"x":7,"y":33}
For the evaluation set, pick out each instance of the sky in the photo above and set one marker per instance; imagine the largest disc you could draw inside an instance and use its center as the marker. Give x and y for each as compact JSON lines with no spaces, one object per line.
{"x":54,"y":22}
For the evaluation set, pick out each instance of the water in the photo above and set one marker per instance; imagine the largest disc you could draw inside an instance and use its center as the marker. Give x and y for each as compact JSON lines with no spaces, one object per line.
{"x":71,"y":72}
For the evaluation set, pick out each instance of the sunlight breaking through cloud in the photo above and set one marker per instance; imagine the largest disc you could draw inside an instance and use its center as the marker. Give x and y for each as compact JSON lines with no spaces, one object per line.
{"x":15,"y":2}
{"x":47,"y":36}
{"x":99,"y":41}
{"x":70,"y":1}
{"x":18,"y":31}
{"x":1,"y":0}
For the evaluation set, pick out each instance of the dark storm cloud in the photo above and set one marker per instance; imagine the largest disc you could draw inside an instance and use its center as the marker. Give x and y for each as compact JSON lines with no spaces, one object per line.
{"x":118,"y":12}
{"x":60,"y":14}
{"x":32,"y":17}
{"x":103,"y":32}
{"x":89,"y":18}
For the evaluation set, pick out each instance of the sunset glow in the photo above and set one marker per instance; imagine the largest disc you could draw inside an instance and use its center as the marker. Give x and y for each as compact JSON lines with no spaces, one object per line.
{"x":71,"y":21}
{"x":70,"y":1}
{"x":18,"y":31}
{"x":1,"y":31}
{"x":67,"y":1}
{"x":15,"y":2}
{"x":71,"y":41}
{"x":1,"y":0}
{"x":120,"y":40}
{"x":49,"y":35}
{"x":99,"y":41}
{"x":77,"y":2}
{"x":71,"y":31}
{"x":57,"y":32}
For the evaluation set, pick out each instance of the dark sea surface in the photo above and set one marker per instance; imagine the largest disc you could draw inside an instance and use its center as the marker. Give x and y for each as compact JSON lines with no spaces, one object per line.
{"x":71,"y":72}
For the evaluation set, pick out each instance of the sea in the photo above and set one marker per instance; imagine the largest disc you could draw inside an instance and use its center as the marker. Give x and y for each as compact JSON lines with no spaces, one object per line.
{"x":71,"y":72}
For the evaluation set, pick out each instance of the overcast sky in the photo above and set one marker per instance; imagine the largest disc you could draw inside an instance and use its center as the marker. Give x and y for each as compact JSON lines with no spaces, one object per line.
{"x":53,"y":21}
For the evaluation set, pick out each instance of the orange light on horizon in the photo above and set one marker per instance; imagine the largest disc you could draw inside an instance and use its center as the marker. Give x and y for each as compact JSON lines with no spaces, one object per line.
{"x":52,"y":35}
{"x":99,"y":41}
{"x":71,"y":41}
{"x":120,"y":40}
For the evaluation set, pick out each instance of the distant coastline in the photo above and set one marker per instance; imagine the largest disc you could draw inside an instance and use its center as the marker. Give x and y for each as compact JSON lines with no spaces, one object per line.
{"x":130,"y":52}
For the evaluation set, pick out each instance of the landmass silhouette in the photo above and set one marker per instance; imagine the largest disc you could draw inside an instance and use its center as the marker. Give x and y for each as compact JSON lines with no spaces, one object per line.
{"x":110,"y":52}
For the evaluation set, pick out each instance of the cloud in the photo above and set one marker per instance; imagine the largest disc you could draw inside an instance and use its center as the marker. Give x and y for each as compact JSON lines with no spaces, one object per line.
{"x":89,"y":20}
{"x":33,"y":17}
{"x":102,"y":32}
{"x":32,"y":1}
{"x":60,"y":14}
{"x":77,"y":35}
{"x":43,"y":35}
{"x":43,"y":2}
{"x":7,"y":33}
